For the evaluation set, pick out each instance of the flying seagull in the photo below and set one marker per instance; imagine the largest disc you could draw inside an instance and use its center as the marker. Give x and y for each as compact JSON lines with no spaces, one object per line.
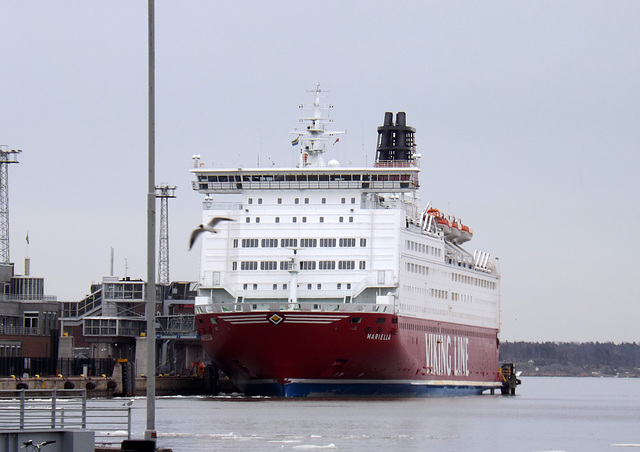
{"x":206,"y":227}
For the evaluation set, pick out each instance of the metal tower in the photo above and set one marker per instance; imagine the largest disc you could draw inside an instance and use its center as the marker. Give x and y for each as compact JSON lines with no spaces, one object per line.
{"x":164,"y":192}
{"x":6,"y":156}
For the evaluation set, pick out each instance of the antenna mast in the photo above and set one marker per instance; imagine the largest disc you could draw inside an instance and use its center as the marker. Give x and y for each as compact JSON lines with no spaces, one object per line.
{"x":164,"y":192}
{"x":6,"y":156}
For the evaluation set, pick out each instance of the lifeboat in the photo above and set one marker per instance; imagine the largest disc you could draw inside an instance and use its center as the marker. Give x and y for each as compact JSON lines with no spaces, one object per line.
{"x":454,"y":231}
{"x":465,"y":234}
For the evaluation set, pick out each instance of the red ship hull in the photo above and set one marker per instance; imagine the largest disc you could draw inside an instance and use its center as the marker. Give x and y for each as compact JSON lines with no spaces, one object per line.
{"x":308,"y":353}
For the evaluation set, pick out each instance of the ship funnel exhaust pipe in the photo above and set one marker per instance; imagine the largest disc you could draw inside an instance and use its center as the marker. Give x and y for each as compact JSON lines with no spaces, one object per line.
{"x":395,"y":141}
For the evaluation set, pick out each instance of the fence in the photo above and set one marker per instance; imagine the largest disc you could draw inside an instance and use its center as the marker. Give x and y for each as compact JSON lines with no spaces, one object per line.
{"x":68,"y":367}
{"x":66,"y":409}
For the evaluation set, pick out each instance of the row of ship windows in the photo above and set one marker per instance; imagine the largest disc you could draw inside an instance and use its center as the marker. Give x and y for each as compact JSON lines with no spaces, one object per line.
{"x":304,"y":265}
{"x":450,"y":331}
{"x":473,"y":281}
{"x":305,"y":177}
{"x":339,"y":286}
{"x":438,"y":293}
{"x":306,"y":200}
{"x":295,"y":219}
{"x":347,"y":242}
{"x":456,"y":277}
{"x":422,"y":248}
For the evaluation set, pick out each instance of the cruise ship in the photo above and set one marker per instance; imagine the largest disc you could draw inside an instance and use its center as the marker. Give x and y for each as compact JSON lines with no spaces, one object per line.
{"x":323,"y":280}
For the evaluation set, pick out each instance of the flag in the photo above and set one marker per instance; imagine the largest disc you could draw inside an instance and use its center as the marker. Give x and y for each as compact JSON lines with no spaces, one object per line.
{"x":295,"y":142}
{"x":27,"y":238}
{"x":337,"y":139}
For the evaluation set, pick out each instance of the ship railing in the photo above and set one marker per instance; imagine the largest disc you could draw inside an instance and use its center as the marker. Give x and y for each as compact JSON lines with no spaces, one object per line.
{"x":300,"y":306}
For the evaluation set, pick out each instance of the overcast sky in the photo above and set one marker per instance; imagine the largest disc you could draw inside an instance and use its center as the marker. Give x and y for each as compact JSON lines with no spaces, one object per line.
{"x":527,"y":116}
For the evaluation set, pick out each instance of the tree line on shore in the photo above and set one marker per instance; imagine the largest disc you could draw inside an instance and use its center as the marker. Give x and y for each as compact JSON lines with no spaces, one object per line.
{"x":573,"y":359}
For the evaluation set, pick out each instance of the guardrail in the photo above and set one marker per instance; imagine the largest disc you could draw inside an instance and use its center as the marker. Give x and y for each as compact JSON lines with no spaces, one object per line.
{"x":36,"y":409}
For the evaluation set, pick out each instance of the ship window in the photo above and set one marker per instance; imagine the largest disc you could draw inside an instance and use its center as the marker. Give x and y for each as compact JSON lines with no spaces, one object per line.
{"x":279,"y":177}
{"x":268,"y":265}
{"x":321,"y":219}
{"x":347,"y":242}
{"x":380,"y":320}
{"x":306,"y":200}
{"x":269,"y":243}
{"x":297,"y":200}
{"x":234,"y":266}
{"x":341,"y":219}
{"x":319,"y":286}
{"x":308,"y":243}
{"x":346,"y":265}
{"x":290,"y":177}
{"x":275,"y":287}
{"x":327,"y":265}
{"x":309,"y":286}
{"x":313,"y":177}
{"x":394,"y":177}
{"x":277,"y":219}
{"x":356,"y":177}
{"x":223,"y":179}
{"x":244,"y":286}
{"x":255,"y":287}
{"x":301,"y":177}
{"x":235,"y":243}
{"x":348,"y":286}
{"x":246,"y":178}
{"x":324,"y":200}
{"x":324,"y":177}
{"x":289,"y":243}
{"x":304,"y":219}
{"x":295,"y":219}
{"x":247,"y":220}
{"x":212,"y":178}
{"x":339,"y":286}
{"x":250,"y":200}
{"x":343,"y":200}
{"x":327,"y":243}
{"x":259,"y":200}
{"x":257,"y":219}
{"x":366,"y":177}
{"x":363,"y":243}
{"x":355,"y":320}
{"x":307,"y":265}
{"x":363,"y":265}
{"x":284,"y":287}
{"x":353,"y":200}
{"x":350,"y":219}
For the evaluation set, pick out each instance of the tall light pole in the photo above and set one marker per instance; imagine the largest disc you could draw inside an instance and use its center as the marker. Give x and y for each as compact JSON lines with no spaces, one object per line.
{"x":6,"y":156}
{"x":150,"y":433}
{"x":164,"y":192}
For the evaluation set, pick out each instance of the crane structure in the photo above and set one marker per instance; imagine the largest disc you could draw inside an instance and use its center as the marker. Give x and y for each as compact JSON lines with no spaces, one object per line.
{"x":7,"y":156}
{"x":164,"y":192}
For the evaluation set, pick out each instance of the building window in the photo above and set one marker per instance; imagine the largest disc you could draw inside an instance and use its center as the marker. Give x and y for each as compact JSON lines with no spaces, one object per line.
{"x":31,"y":320}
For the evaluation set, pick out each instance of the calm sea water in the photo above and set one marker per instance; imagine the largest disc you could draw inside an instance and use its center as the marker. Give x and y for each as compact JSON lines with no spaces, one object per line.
{"x":548,"y":414}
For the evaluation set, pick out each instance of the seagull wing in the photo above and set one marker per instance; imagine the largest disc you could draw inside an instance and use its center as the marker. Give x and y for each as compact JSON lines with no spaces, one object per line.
{"x":194,"y":235}
{"x":216,"y":220}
